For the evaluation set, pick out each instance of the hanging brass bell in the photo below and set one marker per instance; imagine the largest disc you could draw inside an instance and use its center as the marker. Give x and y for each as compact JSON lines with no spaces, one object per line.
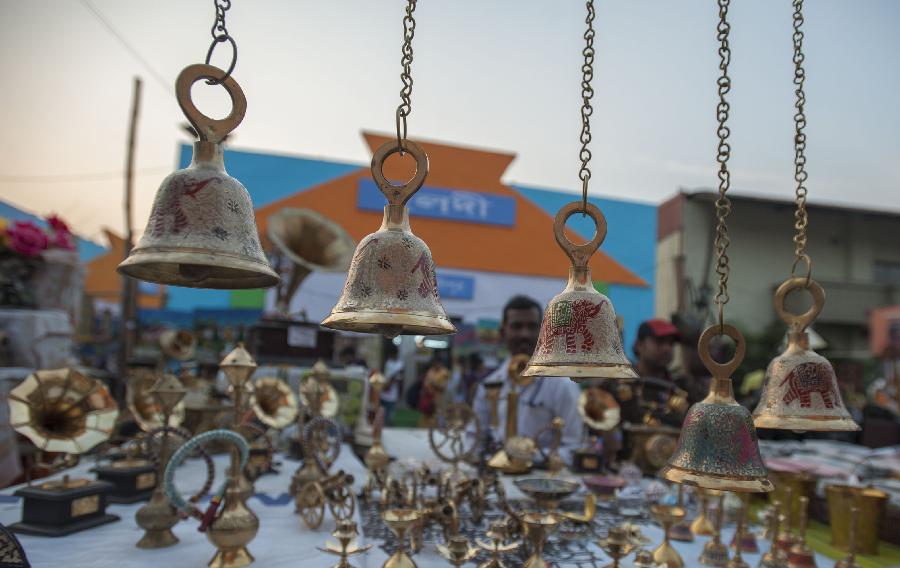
{"x":391,"y":287}
{"x":202,"y":231}
{"x":579,"y":337}
{"x":801,"y":390}
{"x":717,"y":448}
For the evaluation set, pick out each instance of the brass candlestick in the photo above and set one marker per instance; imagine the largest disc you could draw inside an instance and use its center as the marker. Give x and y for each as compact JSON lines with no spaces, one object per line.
{"x":496,"y":548}
{"x":616,"y":545}
{"x":801,"y":555}
{"x":738,"y":561}
{"x":644,"y":559}
{"x":234,"y":527}
{"x":555,"y":463}
{"x":715,"y":553}
{"x":702,"y":526}
{"x":538,"y":526}
{"x":346,"y":534}
{"x":666,"y":516}
{"x":745,"y":540}
{"x":517,"y":452}
{"x":400,"y":521}
{"x":238,"y":366}
{"x":681,"y":531}
{"x":457,"y":552}
{"x":850,"y":560}
{"x":785,"y":539}
{"x":775,"y":557}
{"x":158,"y":516}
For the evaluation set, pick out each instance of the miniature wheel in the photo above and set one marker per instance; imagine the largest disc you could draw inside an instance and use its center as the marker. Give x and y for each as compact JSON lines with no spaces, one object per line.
{"x":322,"y":437}
{"x":311,"y":505}
{"x":342,"y":502}
{"x":448,"y":437}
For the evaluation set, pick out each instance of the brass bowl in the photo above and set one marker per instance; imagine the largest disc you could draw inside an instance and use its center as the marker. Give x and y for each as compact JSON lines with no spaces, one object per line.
{"x":546,"y":488}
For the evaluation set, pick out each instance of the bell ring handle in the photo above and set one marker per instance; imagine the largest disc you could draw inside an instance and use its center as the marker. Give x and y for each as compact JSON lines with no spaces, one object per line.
{"x":801,"y":321}
{"x":209,"y":129}
{"x":721,"y":370}
{"x":579,"y":254}
{"x":399,"y":194}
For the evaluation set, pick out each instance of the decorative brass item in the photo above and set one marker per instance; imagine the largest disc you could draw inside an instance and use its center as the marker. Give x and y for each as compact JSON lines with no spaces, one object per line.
{"x":400,"y":521}
{"x":579,"y":337}
{"x":335,"y":491}
{"x":273,"y":402}
{"x":652,"y":446}
{"x":644,"y":559}
{"x":311,"y":243}
{"x":177,"y":344}
{"x":321,"y":447}
{"x":801,"y":555}
{"x":144,"y":407}
{"x":850,"y":560}
{"x":616,"y":545}
{"x":681,"y":530}
{"x":496,"y":548}
{"x":238,"y":366}
{"x":738,"y":561}
{"x":554,"y":462}
{"x":744,"y":539}
{"x":717,"y":448}
{"x":702,"y":526}
{"x":871,"y":504}
{"x":453,"y":435}
{"x":346,"y":534}
{"x":518,"y":451}
{"x":62,"y":411}
{"x":376,"y":458}
{"x":785,"y":539}
{"x":775,"y":557}
{"x":600,"y":414}
{"x":715,"y":553}
{"x":202,"y":231}
{"x":586,"y":516}
{"x":159,"y":516}
{"x":547,"y":492}
{"x":790,"y":486}
{"x":538,"y":526}
{"x":801,"y":390}
{"x":457,"y":551}
{"x":667,"y":516}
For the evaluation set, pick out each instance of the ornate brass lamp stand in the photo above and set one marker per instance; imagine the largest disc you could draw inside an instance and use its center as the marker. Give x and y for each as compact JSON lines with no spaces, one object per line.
{"x":666,"y":516}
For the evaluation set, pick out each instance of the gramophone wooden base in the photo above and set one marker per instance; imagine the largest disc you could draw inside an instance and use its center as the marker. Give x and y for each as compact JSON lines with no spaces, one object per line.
{"x":62,"y":530}
{"x":130,"y":484}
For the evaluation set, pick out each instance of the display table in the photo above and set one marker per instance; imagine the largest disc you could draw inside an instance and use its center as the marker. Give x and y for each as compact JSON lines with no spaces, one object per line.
{"x":40,"y":339}
{"x":282,"y":540}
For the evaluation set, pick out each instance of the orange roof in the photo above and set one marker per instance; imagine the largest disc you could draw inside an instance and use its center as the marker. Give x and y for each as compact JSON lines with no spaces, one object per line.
{"x":527,"y":248}
{"x":102,"y":282}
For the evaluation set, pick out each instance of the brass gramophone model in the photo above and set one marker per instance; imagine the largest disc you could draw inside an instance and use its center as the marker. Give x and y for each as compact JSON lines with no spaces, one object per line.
{"x":62,"y":411}
{"x":518,"y":451}
{"x":600,"y":414}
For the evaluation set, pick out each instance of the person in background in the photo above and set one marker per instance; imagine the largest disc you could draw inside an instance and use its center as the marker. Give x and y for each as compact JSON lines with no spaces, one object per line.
{"x":476,"y":371}
{"x":393,"y":375}
{"x":544,"y":399}
{"x":434,"y":385}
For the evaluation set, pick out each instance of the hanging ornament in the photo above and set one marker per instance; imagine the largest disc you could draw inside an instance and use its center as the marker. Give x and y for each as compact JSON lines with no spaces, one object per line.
{"x":801,"y":391}
{"x":718,"y":448}
{"x":391,"y":287}
{"x":579,"y":337}
{"x":202,"y":231}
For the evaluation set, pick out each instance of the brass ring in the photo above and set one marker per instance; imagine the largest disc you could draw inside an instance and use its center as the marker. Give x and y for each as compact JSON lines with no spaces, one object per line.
{"x":721,"y":370}
{"x":399,"y":194}
{"x":209,"y":129}
{"x":579,"y":254}
{"x":801,"y":321}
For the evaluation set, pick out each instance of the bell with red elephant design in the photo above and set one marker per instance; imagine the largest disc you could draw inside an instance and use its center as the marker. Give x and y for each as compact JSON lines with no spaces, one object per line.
{"x":579,"y":336}
{"x":391,"y":287}
{"x":202,"y":230}
{"x":718,"y":448}
{"x":801,"y":390}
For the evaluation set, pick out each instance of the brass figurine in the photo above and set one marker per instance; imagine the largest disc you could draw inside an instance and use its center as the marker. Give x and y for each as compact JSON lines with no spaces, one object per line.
{"x":667,"y":516}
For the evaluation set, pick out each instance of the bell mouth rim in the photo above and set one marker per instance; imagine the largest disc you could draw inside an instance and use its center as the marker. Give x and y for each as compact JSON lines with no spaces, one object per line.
{"x":808,"y":423}
{"x":737,"y":484}
{"x":372,"y":321}
{"x":581,"y":372}
{"x":144,"y":263}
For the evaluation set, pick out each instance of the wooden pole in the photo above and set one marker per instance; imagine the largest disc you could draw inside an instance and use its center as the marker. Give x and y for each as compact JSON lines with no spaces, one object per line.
{"x":129,"y":285}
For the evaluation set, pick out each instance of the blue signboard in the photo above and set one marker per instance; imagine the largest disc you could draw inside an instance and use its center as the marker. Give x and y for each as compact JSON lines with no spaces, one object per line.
{"x":456,"y":286}
{"x":448,"y":204}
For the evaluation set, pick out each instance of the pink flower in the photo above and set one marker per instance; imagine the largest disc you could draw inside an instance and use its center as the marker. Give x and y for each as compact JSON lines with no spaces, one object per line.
{"x":58,"y":225}
{"x":26,"y":238}
{"x":62,"y":240}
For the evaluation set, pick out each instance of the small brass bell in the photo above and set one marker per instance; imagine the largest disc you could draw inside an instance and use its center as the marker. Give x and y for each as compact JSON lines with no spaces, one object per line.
{"x":391,"y":287}
{"x":579,"y":337}
{"x":202,"y":231}
{"x":717,"y":448}
{"x":801,"y":390}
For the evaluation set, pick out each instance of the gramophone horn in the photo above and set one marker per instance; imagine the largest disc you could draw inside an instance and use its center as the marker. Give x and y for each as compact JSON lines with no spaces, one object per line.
{"x":143,"y":405}
{"x":311,"y":242}
{"x":273,"y":402}
{"x":62,"y":410}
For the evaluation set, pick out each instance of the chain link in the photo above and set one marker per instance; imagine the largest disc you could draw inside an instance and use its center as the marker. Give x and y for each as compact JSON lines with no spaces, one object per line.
{"x":723,"y":204}
{"x":587,"y":93}
{"x":220,"y":35}
{"x":801,"y":220}
{"x":405,"y":108}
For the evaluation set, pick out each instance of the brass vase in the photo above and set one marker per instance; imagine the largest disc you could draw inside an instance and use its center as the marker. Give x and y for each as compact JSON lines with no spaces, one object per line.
{"x":234,"y":527}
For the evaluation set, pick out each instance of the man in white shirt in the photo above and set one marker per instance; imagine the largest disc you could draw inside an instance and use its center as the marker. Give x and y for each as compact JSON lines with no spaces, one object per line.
{"x":541,"y":401}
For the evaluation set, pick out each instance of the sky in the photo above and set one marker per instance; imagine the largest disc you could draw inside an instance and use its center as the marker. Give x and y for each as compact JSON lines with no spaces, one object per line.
{"x":498,"y":74}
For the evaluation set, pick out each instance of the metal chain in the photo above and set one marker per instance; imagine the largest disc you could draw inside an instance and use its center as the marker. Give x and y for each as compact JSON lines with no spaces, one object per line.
{"x":409,"y":31}
{"x":587,"y":93}
{"x":801,"y":220}
{"x":220,"y":35}
{"x":723,"y":204}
